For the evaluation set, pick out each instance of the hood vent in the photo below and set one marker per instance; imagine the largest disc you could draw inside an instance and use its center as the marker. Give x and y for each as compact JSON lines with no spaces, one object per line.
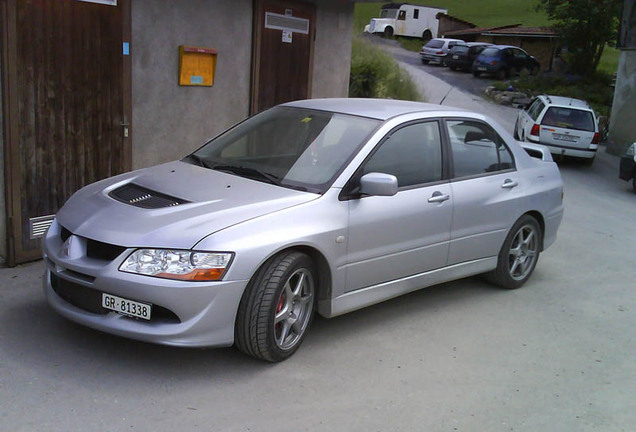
{"x":142,"y":197}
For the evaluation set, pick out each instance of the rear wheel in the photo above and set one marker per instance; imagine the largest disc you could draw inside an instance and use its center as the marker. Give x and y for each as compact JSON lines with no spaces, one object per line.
{"x":427,"y":36}
{"x":501,"y":74}
{"x":516,"y":133}
{"x":476,"y":74}
{"x":277,"y":308}
{"x":424,"y":61}
{"x":519,"y":254}
{"x":634,"y":184}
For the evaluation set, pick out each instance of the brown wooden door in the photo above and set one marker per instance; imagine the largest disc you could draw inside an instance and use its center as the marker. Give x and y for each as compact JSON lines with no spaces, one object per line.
{"x":283,"y":52}
{"x":66,"y":71}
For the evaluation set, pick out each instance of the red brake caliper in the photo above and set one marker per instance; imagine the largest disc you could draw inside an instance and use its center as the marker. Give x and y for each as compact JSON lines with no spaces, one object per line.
{"x":279,"y":307}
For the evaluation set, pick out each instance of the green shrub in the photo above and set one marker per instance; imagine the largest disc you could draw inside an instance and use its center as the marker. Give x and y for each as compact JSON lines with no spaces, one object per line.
{"x":596,"y":89}
{"x":375,"y":74}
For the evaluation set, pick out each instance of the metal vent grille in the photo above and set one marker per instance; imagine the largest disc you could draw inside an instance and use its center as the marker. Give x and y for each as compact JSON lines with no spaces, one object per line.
{"x":286,"y":22}
{"x":142,"y":197}
{"x":39,"y":225}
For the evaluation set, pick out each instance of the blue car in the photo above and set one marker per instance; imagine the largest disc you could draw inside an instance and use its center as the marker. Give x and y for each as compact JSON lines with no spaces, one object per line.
{"x":502,"y":61}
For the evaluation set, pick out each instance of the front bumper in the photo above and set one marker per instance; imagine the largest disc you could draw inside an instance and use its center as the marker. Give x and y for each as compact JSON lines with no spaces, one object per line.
{"x":183,"y":313}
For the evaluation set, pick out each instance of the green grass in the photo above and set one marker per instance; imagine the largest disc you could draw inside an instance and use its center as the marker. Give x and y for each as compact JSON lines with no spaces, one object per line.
{"x":375,"y":74}
{"x":609,"y":60}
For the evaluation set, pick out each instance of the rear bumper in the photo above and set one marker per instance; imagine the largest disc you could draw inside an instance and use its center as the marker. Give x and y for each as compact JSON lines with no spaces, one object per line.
{"x":569,"y":151}
{"x":432,"y":58}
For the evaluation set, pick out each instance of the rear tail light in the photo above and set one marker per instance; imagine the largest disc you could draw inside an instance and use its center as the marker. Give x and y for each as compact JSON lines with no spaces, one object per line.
{"x":595,"y":139}
{"x":493,"y":63}
{"x":535,"y":130}
{"x":439,"y":52}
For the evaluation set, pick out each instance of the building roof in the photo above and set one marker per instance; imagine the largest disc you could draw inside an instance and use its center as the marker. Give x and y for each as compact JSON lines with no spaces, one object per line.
{"x":509,"y":30}
{"x":446,"y":16}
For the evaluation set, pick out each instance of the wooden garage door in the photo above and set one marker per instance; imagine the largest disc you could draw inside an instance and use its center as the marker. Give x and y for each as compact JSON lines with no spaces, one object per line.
{"x":67,"y":75}
{"x":283,"y":52}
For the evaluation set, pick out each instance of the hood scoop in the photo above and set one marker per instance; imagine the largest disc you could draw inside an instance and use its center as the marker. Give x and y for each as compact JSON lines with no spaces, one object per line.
{"x":142,"y":197}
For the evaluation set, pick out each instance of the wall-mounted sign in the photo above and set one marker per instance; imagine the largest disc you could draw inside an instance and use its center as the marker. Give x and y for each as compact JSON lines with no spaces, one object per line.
{"x":106,"y":2}
{"x":196,"y":66}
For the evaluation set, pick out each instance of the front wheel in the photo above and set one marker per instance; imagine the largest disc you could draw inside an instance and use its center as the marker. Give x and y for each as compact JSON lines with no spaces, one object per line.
{"x":519,"y":254}
{"x":476,"y":74}
{"x":277,"y":308}
{"x":388,"y":32}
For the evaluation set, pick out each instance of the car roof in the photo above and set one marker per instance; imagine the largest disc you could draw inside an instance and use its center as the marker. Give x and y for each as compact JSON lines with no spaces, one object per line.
{"x":566,"y":102}
{"x":381,"y":109}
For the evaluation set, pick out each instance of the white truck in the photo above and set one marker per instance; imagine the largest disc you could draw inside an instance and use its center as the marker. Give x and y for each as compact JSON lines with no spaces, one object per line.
{"x":404,"y":19}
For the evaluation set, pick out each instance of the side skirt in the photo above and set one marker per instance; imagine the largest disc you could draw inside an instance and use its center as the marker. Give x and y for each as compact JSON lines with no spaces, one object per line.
{"x":364,"y":297}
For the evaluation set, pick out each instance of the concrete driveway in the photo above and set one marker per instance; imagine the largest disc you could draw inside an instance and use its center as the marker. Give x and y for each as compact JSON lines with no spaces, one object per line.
{"x":558,"y":354}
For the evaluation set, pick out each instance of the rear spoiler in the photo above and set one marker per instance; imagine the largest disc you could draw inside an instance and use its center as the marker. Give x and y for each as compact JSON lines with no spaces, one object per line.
{"x":537,"y":151}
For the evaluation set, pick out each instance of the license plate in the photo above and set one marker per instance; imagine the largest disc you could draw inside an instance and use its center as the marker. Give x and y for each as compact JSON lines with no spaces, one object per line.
{"x":126,"y":307}
{"x":568,"y":138}
{"x":455,"y":56}
{"x":481,"y":68}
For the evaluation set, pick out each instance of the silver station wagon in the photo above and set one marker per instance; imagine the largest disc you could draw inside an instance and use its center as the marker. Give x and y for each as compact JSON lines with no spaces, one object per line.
{"x":326,"y":205}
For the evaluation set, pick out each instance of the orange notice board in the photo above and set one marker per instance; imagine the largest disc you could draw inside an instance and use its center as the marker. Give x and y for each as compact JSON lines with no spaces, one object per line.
{"x":196,"y":66}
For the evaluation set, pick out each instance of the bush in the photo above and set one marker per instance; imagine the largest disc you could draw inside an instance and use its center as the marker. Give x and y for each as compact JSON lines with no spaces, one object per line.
{"x":596,"y":89}
{"x":375,"y":74}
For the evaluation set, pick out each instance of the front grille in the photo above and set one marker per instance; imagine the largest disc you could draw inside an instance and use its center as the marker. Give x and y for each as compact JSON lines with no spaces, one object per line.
{"x":142,"y":197}
{"x":102,"y":251}
{"x":90,"y":300}
{"x":79,"y":296}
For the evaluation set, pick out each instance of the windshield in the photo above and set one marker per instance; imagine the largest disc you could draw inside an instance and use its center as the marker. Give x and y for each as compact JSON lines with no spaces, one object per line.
{"x":291,"y":147}
{"x":388,"y":13}
{"x":569,"y":118}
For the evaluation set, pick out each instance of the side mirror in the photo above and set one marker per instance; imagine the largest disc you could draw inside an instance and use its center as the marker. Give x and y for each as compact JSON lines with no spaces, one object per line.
{"x":378,"y":184}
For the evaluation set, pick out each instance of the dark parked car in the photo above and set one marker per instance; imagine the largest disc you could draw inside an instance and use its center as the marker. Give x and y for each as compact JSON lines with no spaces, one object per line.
{"x":462,"y":56}
{"x":503,"y":60}
{"x":627,"y":169}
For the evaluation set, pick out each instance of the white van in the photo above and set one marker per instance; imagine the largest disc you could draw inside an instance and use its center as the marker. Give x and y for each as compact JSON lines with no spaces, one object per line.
{"x":404,"y":19}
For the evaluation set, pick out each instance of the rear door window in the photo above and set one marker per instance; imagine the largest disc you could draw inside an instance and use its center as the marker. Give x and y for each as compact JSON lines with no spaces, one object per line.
{"x":477,"y":149}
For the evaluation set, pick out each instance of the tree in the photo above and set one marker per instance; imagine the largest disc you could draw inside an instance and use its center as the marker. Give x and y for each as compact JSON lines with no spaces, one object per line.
{"x":585,"y":26}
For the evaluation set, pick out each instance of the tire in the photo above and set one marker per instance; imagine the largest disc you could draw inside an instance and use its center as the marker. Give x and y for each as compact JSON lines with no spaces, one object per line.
{"x":501,"y":75}
{"x":515,"y":133}
{"x":476,"y":74}
{"x":588,"y":161}
{"x":388,"y":32}
{"x":427,"y":36}
{"x":519,"y":254}
{"x":634,"y":184}
{"x":534,"y":70}
{"x":277,"y":308}
{"x":453,"y":68}
{"x":424,"y":61}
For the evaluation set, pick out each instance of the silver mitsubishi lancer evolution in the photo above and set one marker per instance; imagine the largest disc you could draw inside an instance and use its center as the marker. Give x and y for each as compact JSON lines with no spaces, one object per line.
{"x":319,"y":206}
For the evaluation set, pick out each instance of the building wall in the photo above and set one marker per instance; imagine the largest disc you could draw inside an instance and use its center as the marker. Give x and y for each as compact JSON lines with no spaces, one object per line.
{"x":170,"y":121}
{"x":622,"y":126}
{"x":3,"y":210}
{"x":332,"y":49}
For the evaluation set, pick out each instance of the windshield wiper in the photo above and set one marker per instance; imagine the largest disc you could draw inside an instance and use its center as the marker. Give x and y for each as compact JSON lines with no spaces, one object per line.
{"x":249,"y":172}
{"x":199,"y":161}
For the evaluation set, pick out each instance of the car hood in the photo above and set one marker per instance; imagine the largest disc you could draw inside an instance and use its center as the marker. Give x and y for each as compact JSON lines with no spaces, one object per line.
{"x":216,"y":200}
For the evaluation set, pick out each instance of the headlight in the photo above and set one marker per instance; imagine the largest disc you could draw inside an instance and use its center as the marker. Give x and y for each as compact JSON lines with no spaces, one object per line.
{"x":177,"y":264}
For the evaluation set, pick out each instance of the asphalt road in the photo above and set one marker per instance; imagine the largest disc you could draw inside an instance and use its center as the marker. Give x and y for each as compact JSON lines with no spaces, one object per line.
{"x":558,"y":354}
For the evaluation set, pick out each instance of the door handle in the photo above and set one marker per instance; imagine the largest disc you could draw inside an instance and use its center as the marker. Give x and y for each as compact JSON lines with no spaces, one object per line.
{"x":438,"y":197}
{"x":509,"y":184}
